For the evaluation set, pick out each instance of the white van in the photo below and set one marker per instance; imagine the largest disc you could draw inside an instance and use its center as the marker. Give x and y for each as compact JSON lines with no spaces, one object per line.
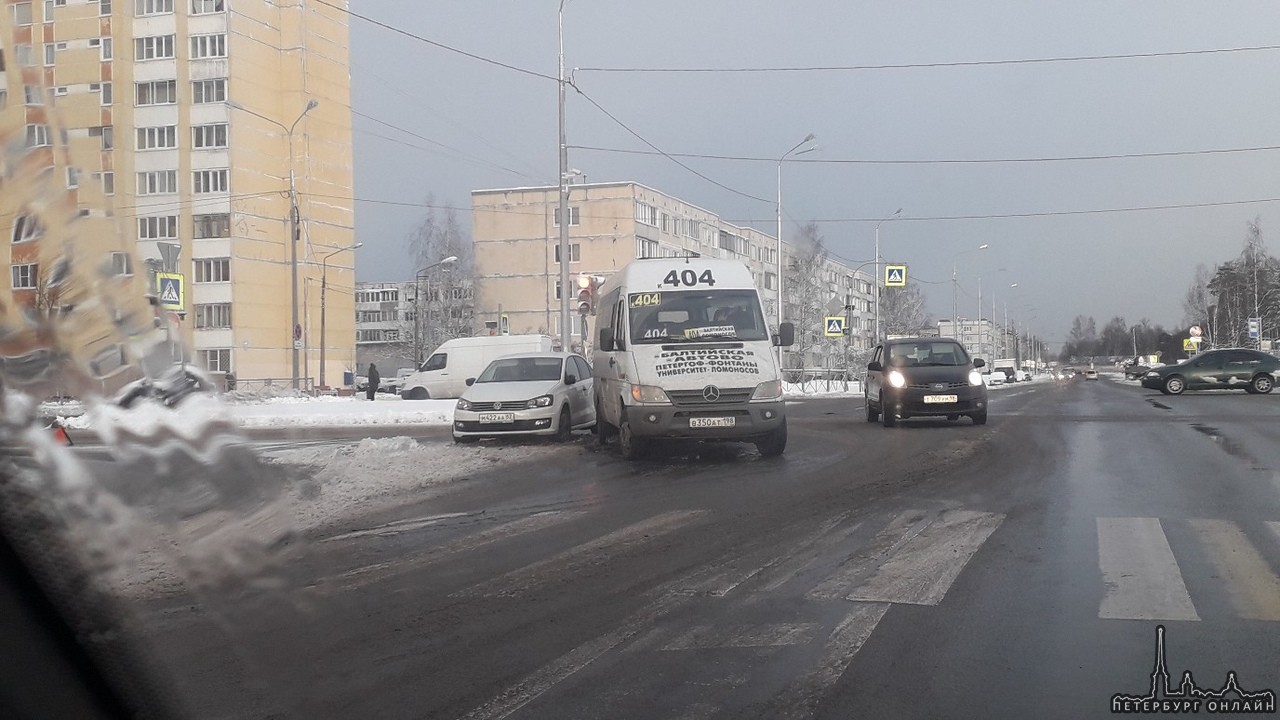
{"x":445,"y":372}
{"x":683,"y":351}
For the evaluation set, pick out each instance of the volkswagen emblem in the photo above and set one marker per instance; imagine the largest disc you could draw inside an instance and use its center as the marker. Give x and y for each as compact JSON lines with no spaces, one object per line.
{"x":497,"y":406}
{"x":939,"y":386}
{"x":711,"y":393}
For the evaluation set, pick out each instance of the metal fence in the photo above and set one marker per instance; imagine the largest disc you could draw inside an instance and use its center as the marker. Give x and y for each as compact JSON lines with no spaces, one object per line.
{"x":823,"y":379}
{"x":259,"y":388}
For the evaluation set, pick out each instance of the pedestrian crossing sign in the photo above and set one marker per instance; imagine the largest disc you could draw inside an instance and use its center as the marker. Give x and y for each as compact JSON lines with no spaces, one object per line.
{"x":895,"y":275}
{"x":835,"y":327}
{"x":170,"y":287}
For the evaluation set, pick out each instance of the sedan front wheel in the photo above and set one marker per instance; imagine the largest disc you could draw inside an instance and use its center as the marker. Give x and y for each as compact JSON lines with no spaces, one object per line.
{"x":1174,"y":385}
{"x":1262,"y":384}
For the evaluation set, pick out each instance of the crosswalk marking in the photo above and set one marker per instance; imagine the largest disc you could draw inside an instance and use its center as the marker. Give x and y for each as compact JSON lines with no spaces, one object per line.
{"x":802,"y":697}
{"x":724,"y":578}
{"x":1275,"y":529}
{"x":921,"y":571}
{"x":1253,"y":586}
{"x":705,"y":637}
{"x":897,"y":533}
{"x":1141,"y":577}
{"x":566,"y":563}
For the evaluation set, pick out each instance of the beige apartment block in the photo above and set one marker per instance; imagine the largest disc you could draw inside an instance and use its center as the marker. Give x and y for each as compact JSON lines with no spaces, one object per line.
{"x":517,"y":257}
{"x":204,"y":122}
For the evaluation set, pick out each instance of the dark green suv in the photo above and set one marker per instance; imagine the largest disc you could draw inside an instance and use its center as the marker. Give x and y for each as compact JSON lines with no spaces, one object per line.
{"x":1233,"y":369}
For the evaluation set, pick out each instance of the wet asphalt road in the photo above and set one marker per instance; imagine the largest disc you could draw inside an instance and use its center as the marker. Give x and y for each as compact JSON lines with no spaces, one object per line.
{"x":931,"y":570}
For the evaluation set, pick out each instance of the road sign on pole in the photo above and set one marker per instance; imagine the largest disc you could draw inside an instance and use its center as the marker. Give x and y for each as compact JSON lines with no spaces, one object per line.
{"x":834,"y":326}
{"x":1255,"y":327}
{"x":895,"y":275}
{"x":169,"y":286}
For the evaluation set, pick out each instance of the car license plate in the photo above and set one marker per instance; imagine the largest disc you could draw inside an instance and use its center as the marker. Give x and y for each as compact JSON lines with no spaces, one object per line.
{"x":932,"y":399}
{"x":712,"y":422}
{"x":497,"y":417}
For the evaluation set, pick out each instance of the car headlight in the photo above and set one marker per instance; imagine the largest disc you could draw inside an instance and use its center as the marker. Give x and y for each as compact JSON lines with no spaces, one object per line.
{"x":1153,"y":373}
{"x":897,"y":379}
{"x":648,"y":394}
{"x":975,"y":377}
{"x":768,"y":390}
{"x":463,"y":404}
{"x":541,"y":402}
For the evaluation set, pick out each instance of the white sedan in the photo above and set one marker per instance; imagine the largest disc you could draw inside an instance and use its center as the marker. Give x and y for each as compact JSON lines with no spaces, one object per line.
{"x":546,"y":393}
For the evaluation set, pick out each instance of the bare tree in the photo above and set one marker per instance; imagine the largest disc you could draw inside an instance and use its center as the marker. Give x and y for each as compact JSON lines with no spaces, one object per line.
{"x":444,"y":306}
{"x":808,"y":293}
{"x":1195,"y":304}
{"x":902,"y":311}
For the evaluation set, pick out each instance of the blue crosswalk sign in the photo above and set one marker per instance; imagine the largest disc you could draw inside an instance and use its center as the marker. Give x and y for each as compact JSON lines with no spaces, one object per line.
{"x":895,"y":275}
{"x":834,"y":327}
{"x":170,"y":287}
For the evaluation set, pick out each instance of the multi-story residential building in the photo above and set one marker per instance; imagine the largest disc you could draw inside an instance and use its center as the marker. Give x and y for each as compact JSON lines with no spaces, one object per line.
{"x":206,"y":128}
{"x":517,"y":256}
{"x":982,"y":338}
{"x":398,"y":324}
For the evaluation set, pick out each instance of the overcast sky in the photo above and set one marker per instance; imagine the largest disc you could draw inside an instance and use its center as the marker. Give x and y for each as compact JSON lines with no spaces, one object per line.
{"x":476,"y":125}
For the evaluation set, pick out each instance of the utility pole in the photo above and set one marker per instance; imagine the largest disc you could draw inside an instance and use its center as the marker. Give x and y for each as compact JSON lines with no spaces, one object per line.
{"x":564,"y":202}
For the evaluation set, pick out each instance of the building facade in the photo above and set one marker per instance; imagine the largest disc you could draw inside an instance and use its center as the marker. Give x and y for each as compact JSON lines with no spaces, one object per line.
{"x":398,"y":324}
{"x":204,"y":128}
{"x":517,"y":258}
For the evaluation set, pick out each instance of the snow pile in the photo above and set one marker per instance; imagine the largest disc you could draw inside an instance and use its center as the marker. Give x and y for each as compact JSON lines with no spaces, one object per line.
{"x":344,"y":411}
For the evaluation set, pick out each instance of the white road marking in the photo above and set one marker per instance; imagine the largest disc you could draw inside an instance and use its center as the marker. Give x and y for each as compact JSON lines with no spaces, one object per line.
{"x":705,"y":637}
{"x":539,"y":573}
{"x":1275,"y":529}
{"x":1140,"y":574}
{"x":1253,"y":586}
{"x":922,"y":570}
{"x":399,"y":526}
{"x":722,"y":582}
{"x":802,"y":697}
{"x":899,"y":530}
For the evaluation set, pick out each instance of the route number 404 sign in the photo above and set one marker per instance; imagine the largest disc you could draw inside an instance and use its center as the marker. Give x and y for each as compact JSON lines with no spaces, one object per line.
{"x":689,"y":278}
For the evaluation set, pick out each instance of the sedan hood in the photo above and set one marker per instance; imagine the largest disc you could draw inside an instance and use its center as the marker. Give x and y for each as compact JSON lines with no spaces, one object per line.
{"x":509,"y":391}
{"x":926,"y":374}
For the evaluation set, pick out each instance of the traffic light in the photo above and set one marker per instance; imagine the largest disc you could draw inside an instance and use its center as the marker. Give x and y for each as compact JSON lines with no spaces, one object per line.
{"x":586,"y":295}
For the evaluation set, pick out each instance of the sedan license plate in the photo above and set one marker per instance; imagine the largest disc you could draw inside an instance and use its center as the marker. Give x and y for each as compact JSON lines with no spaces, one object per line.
{"x":932,"y":399}
{"x":712,"y":422}
{"x":497,"y":417}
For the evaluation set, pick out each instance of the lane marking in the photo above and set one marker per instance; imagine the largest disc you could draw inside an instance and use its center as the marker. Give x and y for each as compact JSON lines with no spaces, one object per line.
{"x":1253,"y":586}
{"x":922,"y":570}
{"x":802,"y":697}
{"x":902,"y":528}
{"x":544,"y":571}
{"x":707,"y":637}
{"x":1139,"y":572}
{"x":399,"y":526}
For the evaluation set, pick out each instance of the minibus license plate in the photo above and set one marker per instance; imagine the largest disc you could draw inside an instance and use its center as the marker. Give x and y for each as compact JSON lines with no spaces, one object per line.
{"x":710,"y":422}
{"x":931,"y":399}
{"x":497,"y":417}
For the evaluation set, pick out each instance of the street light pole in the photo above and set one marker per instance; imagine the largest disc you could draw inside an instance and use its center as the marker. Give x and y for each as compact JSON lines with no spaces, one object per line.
{"x":324,"y":286}
{"x":564,"y":198}
{"x":295,"y":329}
{"x":955,"y":286}
{"x":418,"y":304}
{"x":778,"y":211}
{"x":880,"y":275}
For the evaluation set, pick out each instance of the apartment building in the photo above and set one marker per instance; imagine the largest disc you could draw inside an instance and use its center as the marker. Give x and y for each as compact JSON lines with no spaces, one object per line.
{"x":398,"y":324}
{"x":517,"y":256}
{"x":982,"y":338}
{"x":204,"y":128}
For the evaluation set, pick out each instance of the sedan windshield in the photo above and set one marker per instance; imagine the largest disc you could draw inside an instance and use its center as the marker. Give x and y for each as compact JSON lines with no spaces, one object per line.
{"x":927,"y":353}
{"x":524,"y":369}
{"x":662,"y":317}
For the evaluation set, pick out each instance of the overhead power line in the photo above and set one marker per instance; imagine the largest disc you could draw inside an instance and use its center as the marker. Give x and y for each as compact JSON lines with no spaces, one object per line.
{"x":934,"y":161}
{"x":958,"y":63}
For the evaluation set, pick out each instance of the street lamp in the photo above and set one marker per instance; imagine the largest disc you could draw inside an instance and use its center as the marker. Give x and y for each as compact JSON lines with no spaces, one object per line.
{"x":417,"y":301}
{"x":324,"y":285}
{"x":955,"y":313}
{"x":807,"y":139}
{"x":564,"y":197}
{"x":312,"y":104}
{"x":879,"y":275}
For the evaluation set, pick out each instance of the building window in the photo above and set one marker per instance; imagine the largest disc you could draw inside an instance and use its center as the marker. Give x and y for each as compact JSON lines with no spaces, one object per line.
{"x":21,"y":13}
{"x":209,"y":136}
{"x":213,"y":315}
{"x":104,"y":7}
{"x":152,"y":7}
{"x":157,"y":47}
{"x":158,"y":92}
{"x":204,"y":7}
{"x":209,"y":91}
{"x":73,"y":178}
{"x":158,"y":182}
{"x":108,"y":180}
{"x":24,"y":54}
{"x":770,"y":281}
{"x":213,"y":226}
{"x":208,"y":46}
{"x":106,"y":93}
{"x":27,"y":227}
{"x":121,"y":263}
{"x":209,"y":181}
{"x":646,"y":214}
{"x":646,"y":248}
{"x":106,"y":49}
{"x":575,"y":253}
{"x":216,"y":360}
{"x":573,"y":217}
{"x":153,"y":138}
{"x":164,"y":227}
{"x":24,"y":276}
{"x":391,"y":335}
{"x":4,"y":99}
{"x":31,"y":95}
{"x":213,"y":270}
{"x":37,"y":135}
{"x":50,"y":53}
{"x":368,"y":336}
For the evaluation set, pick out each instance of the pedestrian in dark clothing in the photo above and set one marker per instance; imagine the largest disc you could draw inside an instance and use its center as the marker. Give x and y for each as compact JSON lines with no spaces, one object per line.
{"x":374,"y":379}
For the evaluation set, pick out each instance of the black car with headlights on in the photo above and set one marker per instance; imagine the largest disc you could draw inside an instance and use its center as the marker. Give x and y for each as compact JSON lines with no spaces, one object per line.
{"x":924,"y":377}
{"x":1228,"y":369}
